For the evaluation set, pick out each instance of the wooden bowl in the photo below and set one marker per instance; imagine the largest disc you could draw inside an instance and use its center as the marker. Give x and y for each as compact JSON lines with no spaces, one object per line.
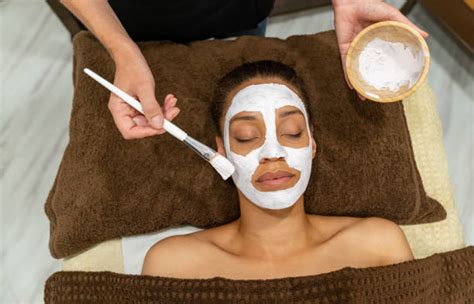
{"x":390,"y":31}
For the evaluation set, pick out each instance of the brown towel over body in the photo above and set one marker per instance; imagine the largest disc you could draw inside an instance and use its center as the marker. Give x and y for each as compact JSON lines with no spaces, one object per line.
{"x":441,"y":278}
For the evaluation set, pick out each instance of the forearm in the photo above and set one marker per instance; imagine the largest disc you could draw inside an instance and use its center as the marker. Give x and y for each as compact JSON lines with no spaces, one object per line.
{"x":337,"y":3}
{"x":101,"y":20}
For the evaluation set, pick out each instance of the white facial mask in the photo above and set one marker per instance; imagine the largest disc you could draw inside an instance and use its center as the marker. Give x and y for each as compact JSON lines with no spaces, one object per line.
{"x":267,"y":98}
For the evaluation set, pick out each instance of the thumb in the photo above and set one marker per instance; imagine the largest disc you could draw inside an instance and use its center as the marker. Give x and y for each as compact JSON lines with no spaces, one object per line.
{"x":396,"y":15}
{"x":343,"y":60}
{"x":150,"y":106}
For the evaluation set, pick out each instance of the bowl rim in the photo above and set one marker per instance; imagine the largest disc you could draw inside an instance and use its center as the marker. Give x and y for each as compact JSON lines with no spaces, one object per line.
{"x":421,"y":79}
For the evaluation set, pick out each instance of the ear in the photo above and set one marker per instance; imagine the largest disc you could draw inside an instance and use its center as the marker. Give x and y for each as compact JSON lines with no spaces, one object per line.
{"x":313,"y":142}
{"x":220,"y":146}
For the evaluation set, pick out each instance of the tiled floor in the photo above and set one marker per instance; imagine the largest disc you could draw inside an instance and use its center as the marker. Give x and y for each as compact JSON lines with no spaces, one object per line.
{"x":36,"y":90}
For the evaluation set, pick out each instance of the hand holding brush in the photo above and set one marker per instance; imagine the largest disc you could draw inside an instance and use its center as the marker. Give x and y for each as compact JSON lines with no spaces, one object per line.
{"x":222,"y":165}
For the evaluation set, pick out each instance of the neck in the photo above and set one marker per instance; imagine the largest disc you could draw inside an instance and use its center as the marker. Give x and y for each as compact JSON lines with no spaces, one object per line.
{"x":272,"y":234}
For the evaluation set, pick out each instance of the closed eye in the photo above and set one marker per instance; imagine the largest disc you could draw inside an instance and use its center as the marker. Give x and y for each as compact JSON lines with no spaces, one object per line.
{"x":244,"y":140}
{"x":297,"y":135}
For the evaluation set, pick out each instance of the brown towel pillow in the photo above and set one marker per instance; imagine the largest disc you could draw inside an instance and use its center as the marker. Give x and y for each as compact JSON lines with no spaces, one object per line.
{"x":108,"y":187}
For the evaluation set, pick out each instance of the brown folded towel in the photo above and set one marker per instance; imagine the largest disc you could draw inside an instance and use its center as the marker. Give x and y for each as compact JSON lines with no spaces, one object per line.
{"x":441,"y":278}
{"x":108,"y":187}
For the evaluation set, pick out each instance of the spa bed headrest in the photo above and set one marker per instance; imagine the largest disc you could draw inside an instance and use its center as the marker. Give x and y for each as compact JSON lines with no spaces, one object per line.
{"x":108,"y":187}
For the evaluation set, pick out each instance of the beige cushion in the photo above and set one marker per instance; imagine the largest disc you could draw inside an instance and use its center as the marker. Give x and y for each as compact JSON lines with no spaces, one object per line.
{"x":426,"y":135}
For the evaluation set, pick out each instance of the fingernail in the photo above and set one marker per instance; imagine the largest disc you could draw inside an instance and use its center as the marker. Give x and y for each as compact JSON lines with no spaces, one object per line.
{"x":176,"y":114}
{"x":157,"y":121}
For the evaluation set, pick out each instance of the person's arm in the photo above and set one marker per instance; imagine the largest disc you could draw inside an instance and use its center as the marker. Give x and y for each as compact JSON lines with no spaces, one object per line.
{"x":351,"y":17}
{"x":132,"y":73}
{"x":101,"y":20}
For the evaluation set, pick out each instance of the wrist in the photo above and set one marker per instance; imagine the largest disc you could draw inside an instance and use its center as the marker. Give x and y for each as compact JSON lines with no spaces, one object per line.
{"x":336,"y":3}
{"x":124,"y":51}
{"x":339,"y":3}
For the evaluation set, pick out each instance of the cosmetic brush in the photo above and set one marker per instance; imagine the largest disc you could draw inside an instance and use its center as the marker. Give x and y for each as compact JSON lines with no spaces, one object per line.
{"x":222,"y":165}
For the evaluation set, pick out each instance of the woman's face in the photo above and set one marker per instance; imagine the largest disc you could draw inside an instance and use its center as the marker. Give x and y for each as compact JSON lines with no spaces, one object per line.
{"x":247,"y":132}
{"x":268,"y":139}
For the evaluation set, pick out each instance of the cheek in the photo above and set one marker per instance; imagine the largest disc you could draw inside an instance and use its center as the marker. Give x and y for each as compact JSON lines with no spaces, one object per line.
{"x":300,"y":158}
{"x":285,"y":139}
{"x":244,"y":148}
{"x":245,"y":166}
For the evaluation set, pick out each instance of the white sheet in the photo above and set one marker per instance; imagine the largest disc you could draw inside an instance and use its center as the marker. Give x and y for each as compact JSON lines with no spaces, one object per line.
{"x":135,"y":247}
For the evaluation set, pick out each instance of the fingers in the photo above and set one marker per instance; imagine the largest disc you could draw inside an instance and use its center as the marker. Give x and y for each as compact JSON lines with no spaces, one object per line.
{"x":122,"y":114}
{"x":172,"y":113}
{"x":343,"y":51}
{"x":140,"y":121}
{"x":170,"y":109}
{"x":142,"y":127}
{"x":141,"y":132}
{"x":398,"y":16}
{"x":151,"y":108}
{"x":119,"y":110}
{"x":132,"y":124}
{"x":391,"y":13}
{"x":345,"y":74}
{"x":170,"y":101}
{"x":361,"y":97}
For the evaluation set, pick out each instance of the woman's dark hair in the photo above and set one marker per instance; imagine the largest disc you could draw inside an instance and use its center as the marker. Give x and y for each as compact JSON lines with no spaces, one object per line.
{"x":246,"y":71}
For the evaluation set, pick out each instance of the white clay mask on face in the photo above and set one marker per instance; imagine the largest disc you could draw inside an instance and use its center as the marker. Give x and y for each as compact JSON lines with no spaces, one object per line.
{"x":267,"y":99}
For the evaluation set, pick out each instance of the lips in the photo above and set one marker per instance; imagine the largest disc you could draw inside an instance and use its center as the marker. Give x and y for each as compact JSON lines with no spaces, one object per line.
{"x":275,"y":177}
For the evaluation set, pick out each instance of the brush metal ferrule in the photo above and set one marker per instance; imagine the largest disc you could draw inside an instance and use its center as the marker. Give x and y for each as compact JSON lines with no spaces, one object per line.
{"x":200,"y":148}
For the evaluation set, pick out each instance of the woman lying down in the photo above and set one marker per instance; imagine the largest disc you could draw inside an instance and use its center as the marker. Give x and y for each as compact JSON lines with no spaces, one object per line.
{"x":265,"y":130}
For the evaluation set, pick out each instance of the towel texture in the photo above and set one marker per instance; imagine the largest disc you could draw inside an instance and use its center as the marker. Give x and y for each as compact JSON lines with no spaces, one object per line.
{"x":108,"y":187}
{"x":441,"y":278}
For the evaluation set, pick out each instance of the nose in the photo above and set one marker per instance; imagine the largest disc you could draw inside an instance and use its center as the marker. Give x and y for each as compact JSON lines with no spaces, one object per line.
{"x":272,"y":150}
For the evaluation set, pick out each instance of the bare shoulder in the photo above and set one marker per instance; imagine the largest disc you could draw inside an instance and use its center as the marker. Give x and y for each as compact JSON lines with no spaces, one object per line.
{"x":176,"y":256}
{"x":332,"y":225}
{"x":381,"y":238}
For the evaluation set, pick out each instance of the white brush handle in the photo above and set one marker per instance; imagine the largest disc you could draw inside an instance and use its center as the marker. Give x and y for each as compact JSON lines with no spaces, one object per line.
{"x":167,"y":125}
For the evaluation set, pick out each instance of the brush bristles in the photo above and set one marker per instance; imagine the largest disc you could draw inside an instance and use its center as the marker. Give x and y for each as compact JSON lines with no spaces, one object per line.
{"x":222,"y":165}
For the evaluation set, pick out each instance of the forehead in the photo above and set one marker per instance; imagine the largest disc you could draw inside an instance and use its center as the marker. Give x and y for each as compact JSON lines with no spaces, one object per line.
{"x":253,"y":116}
{"x":264,"y":98}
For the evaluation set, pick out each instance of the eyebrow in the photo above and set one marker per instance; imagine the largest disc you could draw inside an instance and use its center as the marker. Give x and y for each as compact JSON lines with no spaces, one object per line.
{"x":289,"y":112}
{"x":248,"y":117}
{"x":252,"y":117}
